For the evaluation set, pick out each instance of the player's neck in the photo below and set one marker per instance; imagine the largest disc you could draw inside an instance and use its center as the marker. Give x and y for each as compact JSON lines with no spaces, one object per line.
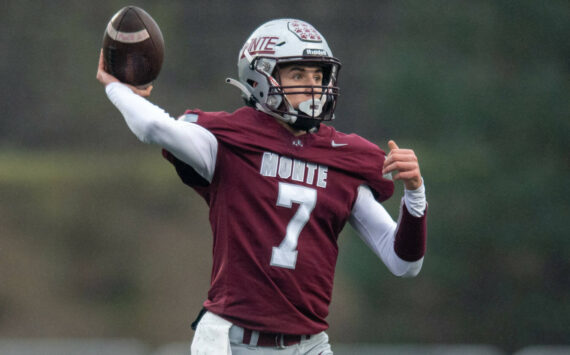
{"x":293,"y":131}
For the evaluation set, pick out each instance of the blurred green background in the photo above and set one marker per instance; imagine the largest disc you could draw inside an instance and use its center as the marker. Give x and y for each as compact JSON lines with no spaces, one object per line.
{"x":98,"y":238}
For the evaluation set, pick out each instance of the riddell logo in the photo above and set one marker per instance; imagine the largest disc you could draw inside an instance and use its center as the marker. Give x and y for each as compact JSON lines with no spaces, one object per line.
{"x":315,"y":52}
{"x":260,"y":45}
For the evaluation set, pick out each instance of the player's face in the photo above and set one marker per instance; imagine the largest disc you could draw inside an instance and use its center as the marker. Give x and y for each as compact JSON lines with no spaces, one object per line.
{"x":301,"y":75}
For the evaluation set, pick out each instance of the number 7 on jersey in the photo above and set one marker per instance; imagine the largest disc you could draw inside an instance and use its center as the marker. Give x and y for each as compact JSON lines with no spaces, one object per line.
{"x":285,"y":255}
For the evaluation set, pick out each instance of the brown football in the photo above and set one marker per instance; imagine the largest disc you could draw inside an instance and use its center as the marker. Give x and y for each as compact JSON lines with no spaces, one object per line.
{"x":133,"y":47}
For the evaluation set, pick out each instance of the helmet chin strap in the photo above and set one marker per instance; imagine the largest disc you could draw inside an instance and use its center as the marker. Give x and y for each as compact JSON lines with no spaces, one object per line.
{"x":310,"y":125}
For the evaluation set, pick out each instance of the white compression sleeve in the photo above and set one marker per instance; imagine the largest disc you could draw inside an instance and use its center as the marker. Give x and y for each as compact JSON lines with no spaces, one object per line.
{"x":187,"y":141}
{"x":378,"y":230}
{"x":415,"y":200}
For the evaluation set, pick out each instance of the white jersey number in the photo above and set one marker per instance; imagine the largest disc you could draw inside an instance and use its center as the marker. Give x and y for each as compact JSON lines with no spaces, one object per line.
{"x":285,"y":255}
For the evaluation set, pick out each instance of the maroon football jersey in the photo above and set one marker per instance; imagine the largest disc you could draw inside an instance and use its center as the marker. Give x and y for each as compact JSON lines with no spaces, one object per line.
{"x":277,"y":205}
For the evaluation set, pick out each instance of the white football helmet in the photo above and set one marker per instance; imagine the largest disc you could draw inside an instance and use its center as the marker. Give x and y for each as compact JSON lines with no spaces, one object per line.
{"x":287,"y":41}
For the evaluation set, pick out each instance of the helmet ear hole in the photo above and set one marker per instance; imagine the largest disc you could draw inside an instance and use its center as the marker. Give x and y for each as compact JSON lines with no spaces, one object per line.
{"x":252,"y":83}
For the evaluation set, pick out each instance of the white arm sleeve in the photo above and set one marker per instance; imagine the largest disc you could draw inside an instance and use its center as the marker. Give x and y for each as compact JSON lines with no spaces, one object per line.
{"x":416,"y":200}
{"x":187,"y":141}
{"x":378,"y":230}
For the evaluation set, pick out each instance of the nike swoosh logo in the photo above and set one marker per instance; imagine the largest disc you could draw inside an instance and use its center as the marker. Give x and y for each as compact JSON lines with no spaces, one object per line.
{"x":335,"y":145}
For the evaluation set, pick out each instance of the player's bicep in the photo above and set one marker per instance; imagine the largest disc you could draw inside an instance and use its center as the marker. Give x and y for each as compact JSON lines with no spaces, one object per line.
{"x":187,"y":141}
{"x":190,"y":143}
{"x":372,"y":222}
{"x":377,"y":229}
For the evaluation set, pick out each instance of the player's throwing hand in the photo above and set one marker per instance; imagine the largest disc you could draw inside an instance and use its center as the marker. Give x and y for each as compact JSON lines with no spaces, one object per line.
{"x":106,"y":79}
{"x":405,"y":163}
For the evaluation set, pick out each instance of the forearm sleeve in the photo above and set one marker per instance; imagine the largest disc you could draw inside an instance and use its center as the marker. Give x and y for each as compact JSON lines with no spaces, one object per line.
{"x":411,"y":235}
{"x":187,"y":141}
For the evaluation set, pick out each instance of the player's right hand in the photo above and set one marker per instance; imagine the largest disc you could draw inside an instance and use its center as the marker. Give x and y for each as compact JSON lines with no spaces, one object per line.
{"x":105,"y":78}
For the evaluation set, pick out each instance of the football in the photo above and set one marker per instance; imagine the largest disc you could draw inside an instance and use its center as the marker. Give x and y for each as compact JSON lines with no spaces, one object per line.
{"x":133,"y":47}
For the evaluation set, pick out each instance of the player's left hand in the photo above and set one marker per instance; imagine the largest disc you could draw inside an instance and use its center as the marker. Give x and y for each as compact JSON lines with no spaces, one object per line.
{"x":405,"y":163}
{"x":106,"y":79}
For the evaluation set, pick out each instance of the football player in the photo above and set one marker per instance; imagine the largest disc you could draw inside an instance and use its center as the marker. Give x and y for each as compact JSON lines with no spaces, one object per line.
{"x":281,"y":185}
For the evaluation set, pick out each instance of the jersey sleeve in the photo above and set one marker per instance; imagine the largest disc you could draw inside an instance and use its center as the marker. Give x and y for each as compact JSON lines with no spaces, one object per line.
{"x":367,"y":159}
{"x":199,"y":172}
{"x":382,"y":188}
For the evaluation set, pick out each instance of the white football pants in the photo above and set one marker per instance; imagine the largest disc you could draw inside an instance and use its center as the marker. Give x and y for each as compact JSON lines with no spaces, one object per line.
{"x":213,"y":337}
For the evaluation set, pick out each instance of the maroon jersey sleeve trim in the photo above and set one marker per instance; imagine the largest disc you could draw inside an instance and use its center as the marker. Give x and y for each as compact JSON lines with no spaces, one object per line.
{"x":411,"y":235}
